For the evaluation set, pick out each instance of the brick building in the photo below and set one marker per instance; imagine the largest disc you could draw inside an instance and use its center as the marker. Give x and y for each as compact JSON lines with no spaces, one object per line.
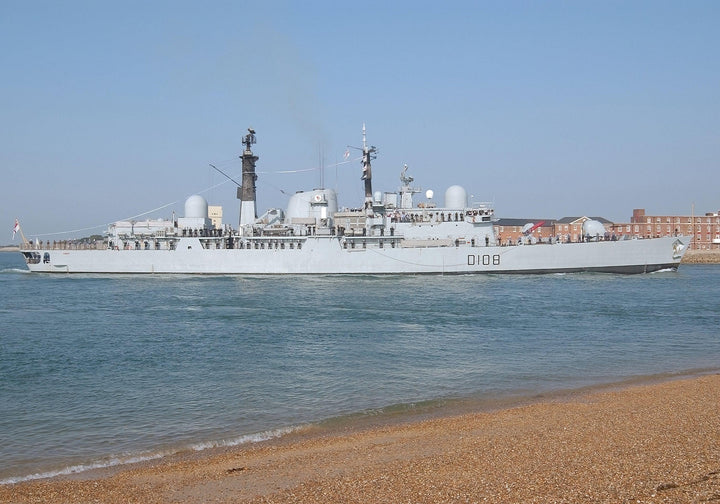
{"x":509,"y":231}
{"x":704,"y":228}
{"x":567,"y":229}
{"x":570,"y":228}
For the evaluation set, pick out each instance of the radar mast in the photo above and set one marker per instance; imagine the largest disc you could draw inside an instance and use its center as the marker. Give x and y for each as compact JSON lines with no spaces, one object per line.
{"x":246,"y":193}
{"x":406,"y":190}
{"x":369,"y":153}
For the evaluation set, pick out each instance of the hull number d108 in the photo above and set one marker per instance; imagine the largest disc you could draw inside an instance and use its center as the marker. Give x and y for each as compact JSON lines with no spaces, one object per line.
{"x":484,"y":260}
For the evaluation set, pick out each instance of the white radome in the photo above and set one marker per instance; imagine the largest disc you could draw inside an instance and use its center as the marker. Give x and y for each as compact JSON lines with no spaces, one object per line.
{"x":455,"y":197}
{"x":196,"y":207}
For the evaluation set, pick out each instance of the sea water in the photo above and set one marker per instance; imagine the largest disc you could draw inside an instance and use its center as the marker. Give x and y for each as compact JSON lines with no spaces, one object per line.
{"x":97,"y":370}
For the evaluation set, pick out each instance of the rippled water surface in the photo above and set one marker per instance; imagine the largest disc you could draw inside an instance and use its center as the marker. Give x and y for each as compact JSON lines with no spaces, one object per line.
{"x":98,"y":370}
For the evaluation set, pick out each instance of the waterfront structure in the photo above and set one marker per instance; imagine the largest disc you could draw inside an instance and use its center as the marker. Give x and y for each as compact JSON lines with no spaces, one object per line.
{"x":215,"y":214}
{"x":705,"y":229}
{"x":564,"y":230}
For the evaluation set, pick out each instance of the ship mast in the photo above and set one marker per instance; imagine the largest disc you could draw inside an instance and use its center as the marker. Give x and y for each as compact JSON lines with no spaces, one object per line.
{"x":369,"y":153}
{"x":406,"y":190}
{"x":246,"y":193}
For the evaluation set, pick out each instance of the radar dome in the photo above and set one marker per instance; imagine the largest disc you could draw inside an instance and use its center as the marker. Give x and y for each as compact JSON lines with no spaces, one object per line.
{"x":429,"y":194}
{"x":196,"y":207}
{"x":593,"y":228}
{"x":456,"y":197}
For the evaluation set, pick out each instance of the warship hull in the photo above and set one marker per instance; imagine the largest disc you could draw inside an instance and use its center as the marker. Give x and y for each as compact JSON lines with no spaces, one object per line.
{"x":330,"y":255}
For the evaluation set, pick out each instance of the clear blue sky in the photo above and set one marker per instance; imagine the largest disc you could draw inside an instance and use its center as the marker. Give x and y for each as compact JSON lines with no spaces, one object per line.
{"x":548,"y":109}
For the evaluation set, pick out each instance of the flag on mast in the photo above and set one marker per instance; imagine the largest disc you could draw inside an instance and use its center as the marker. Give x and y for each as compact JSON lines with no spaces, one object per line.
{"x":16,"y":228}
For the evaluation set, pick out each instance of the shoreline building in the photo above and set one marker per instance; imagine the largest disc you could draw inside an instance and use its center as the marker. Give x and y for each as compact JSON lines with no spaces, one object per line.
{"x":215,"y":214}
{"x":566,"y":230}
{"x":705,"y":229}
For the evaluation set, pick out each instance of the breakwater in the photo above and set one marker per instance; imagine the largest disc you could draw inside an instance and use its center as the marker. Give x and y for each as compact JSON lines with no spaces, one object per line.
{"x":702,"y":257}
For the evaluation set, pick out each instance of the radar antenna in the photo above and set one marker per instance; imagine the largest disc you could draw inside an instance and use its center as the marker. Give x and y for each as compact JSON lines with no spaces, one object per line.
{"x":406,"y":190}
{"x":249,"y":139}
{"x":403,"y":176}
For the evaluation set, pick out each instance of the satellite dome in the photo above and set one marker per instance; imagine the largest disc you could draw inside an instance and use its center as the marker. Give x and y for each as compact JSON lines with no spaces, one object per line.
{"x":593,"y":227}
{"x":456,"y":197}
{"x":196,"y":207}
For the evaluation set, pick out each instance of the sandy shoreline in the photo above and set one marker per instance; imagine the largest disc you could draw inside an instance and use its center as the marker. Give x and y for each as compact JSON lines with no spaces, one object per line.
{"x":649,"y":443}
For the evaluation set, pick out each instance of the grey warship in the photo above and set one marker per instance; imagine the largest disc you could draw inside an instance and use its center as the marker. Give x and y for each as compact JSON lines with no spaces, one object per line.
{"x":388,"y":234}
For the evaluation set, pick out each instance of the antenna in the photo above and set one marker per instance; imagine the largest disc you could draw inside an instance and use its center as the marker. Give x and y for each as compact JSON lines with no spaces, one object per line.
{"x":226,"y":175}
{"x":368,"y":154}
{"x":321,"y":160}
{"x":249,"y":139}
{"x":404,"y":178}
